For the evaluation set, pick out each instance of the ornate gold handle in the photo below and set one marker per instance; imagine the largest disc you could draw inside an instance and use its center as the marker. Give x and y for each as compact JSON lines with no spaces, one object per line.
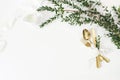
{"x":99,"y":59}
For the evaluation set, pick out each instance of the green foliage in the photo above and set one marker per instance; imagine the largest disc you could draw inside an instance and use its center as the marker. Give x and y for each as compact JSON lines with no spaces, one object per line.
{"x":84,"y":12}
{"x":98,"y":42}
{"x":46,"y":8}
{"x":49,"y":20}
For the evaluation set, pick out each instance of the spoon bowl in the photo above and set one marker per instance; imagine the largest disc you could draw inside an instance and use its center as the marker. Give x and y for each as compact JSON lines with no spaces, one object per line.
{"x":86,"y":34}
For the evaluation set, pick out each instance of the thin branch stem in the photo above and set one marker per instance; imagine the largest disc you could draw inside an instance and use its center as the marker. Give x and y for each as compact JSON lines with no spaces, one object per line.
{"x":71,"y":10}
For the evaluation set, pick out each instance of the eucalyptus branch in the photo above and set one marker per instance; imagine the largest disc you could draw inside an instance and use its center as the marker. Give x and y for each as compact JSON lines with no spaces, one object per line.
{"x":46,"y":8}
{"x":84,"y":12}
{"x":70,"y":10}
{"x":98,"y":42}
{"x":71,"y":4}
{"x":56,"y":2}
{"x":49,"y":20}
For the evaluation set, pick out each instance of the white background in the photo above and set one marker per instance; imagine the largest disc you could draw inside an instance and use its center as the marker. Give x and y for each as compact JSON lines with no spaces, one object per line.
{"x":54,"y":52}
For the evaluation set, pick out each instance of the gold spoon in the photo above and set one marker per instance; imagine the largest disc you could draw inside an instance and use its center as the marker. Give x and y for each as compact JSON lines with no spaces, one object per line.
{"x":86,"y":36}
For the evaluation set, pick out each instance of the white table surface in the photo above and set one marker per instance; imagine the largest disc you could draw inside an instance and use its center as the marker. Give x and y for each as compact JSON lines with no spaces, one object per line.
{"x":54,"y":52}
